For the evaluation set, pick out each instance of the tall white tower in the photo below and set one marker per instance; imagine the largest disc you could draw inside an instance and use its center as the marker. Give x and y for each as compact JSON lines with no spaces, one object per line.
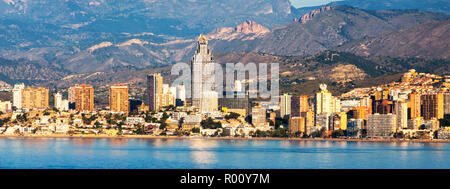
{"x":181,"y":93}
{"x":58,"y":101}
{"x":202,"y":82}
{"x":17,"y":95}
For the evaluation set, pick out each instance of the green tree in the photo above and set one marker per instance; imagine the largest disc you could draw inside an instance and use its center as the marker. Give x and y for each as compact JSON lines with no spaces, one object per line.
{"x":337,"y":133}
{"x":232,"y":115}
{"x":180,"y":123}
{"x":97,"y":125}
{"x":210,"y":124}
{"x":195,"y":130}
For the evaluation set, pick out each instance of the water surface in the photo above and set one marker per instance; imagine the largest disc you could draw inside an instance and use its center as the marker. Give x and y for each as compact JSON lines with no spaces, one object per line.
{"x":86,"y":153}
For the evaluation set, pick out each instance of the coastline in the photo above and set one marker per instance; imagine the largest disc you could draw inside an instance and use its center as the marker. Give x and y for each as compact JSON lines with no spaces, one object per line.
{"x":223,"y":138}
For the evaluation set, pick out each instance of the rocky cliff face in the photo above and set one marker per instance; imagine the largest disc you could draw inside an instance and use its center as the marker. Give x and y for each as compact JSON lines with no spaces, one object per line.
{"x":248,"y":30}
{"x":307,"y":17}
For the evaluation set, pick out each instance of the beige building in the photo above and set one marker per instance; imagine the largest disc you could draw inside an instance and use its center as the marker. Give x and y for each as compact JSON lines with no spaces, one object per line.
{"x":414,"y":105}
{"x":118,"y":98}
{"x":84,"y":98}
{"x":258,"y":116}
{"x":297,"y":124}
{"x":35,"y":98}
{"x":326,"y":102}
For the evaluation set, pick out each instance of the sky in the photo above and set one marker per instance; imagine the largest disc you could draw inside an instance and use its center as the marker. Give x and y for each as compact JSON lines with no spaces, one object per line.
{"x":309,"y":3}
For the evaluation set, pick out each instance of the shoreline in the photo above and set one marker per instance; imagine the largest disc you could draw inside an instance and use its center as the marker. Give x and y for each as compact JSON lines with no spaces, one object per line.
{"x":224,"y":138}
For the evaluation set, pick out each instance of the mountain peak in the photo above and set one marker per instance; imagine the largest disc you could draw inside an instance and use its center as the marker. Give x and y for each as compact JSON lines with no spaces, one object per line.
{"x":250,"y":26}
{"x":307,"y":17}
{"x":247,"y":28}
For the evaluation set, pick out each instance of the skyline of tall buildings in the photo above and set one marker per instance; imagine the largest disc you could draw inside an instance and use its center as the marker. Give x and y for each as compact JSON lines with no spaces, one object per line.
{"x":400,"y":106}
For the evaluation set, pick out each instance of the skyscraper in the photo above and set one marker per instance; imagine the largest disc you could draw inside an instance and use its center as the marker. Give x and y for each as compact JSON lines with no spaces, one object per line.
{"x":58,"y":100}
{"x":118,"y":98}
{"x":285,"y":105}
{"x":299,"y":104}
{"x":154,"y":88}
{"x":35,"y":98}
{"x":17,"y":95}
{"x":71,"y":94}
{"x":181,"y":93}
{"x":325,"y":102}
{"x":433,"y":106}
{"x":401,"y":110}
{"x":84,"y":98}
{"x":446,"y":103}
{"x":297,"y":125}
{"x":201,"y":62}
{"x":414,"y":105}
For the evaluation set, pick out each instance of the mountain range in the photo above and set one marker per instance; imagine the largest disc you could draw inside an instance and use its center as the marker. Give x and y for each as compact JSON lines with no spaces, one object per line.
{"x":323,"y":29}
{"x":58,"y":43}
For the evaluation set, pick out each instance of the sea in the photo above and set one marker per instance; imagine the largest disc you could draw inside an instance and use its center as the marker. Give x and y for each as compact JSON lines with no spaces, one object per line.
{"x":204,"y":153}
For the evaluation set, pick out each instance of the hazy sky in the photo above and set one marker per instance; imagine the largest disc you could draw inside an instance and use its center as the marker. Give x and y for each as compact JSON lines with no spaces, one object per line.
{"x":309,"y":3}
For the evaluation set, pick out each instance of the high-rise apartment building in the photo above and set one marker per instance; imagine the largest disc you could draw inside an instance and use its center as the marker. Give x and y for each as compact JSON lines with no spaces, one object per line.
{"x":401,"y":110}
{"x":285,"y":105}
{"x":71,"y":94}
{"x":296,"y":125}
{"x":58,"y":100}
{"x":414,"y":105}
{"x":299,"y":104}
{"x":433,"y":106}
{"x":381,"y":125}
{"x":35,"y":98}
{"x":181,"y":93}
{"x":202,"y":72}
{"x":154,"y":89}
{"x":323,"y":101}
{"x":84,"y":98}
{"x":118,"y":99}
{"x":17,"y":95}
{"x":446,"y":103}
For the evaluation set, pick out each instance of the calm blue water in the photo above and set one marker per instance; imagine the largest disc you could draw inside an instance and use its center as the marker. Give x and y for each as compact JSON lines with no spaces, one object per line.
{"x":77,"y":153}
